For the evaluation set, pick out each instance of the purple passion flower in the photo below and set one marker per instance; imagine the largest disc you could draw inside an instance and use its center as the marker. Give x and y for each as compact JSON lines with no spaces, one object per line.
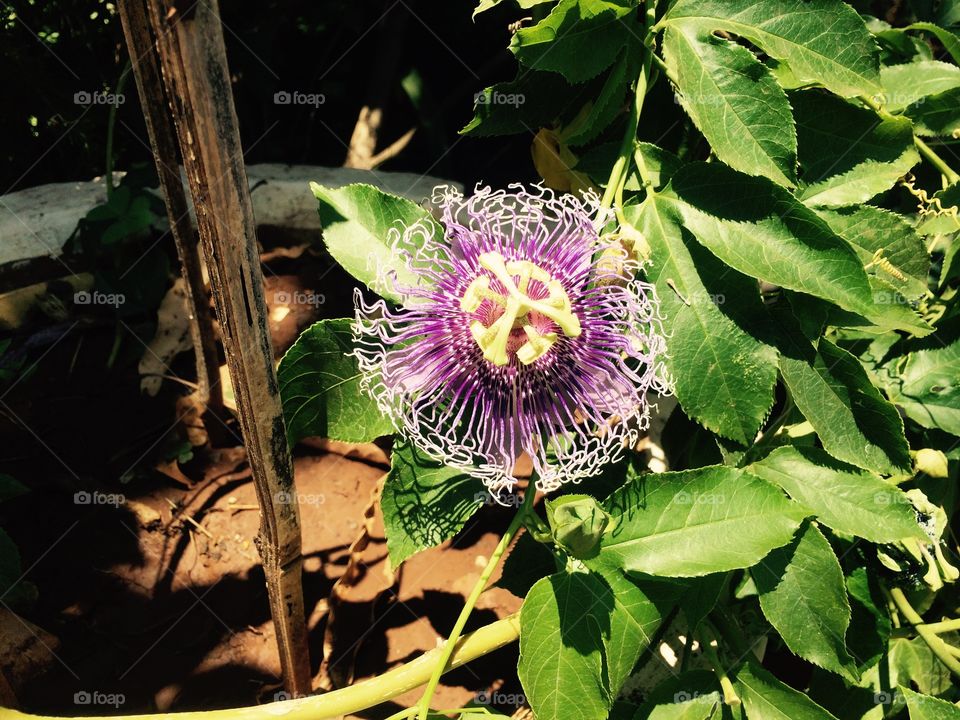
{"x":526,"y":332}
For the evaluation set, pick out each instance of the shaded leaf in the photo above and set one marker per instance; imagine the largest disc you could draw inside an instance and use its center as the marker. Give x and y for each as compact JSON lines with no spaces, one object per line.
{"x":847,"y":153}
{"x":734,"y":100}
{"x":320,"y":388}
{"x":849,"y":500}
{"x":723,"y":375}
{"x":766,"y":698}
{"x":425,"y":503}
{"x":802,"y":594}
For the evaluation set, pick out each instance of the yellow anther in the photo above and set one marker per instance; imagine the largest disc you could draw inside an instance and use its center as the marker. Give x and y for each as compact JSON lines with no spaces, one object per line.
{"x":517,"y":304}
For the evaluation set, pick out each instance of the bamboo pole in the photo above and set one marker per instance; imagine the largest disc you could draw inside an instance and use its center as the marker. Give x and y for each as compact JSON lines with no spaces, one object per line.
{"x":197,"y":83}
{"x":163,"y":141}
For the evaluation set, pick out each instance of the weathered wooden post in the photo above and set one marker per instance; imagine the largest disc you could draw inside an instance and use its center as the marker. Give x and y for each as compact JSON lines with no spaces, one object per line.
{"x":163,"y":140}
{"x":194,"y":72}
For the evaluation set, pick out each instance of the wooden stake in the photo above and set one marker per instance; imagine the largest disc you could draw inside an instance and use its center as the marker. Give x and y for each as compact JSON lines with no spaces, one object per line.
{"x":146,"y":70}
{"x":197,"y":82}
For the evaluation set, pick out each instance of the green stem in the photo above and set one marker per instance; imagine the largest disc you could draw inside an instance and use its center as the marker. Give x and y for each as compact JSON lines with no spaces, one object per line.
{"x":111,"y":123}
{"x":707,"y":636}
{"x":942,"y":627}
{"x":441,"y":667}
{"x":936,"y":644}
{"x":348,"y":700}
{"x":618,"y":172}
{"x":928,"y":152}
{"x":938,"y":162}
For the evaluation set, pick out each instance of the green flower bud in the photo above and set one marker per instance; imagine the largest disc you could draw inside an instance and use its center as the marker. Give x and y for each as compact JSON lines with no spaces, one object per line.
{"x":577,"y":522}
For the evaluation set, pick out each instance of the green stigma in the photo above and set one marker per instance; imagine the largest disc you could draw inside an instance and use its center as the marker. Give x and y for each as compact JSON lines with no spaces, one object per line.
{"x":516,"y":306}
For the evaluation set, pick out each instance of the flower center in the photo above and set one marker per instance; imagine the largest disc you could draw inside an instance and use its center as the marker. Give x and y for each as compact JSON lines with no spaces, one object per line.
{"x":519,"y":309}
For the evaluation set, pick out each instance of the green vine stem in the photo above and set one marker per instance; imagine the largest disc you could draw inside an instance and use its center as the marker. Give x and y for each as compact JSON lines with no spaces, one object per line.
{"x":936,"y":644}
{"x":943,"y":626}
{"x":928,"y":152}
{"x":618,"y":173}
{"x":111,"y":124}
{"x":348,"y":700}
{"x":706,"y":637}
{"x":423,"y":706}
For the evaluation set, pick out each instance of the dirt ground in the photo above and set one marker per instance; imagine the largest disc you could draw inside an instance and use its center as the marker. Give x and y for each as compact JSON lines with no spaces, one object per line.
{"x":148,"y":586}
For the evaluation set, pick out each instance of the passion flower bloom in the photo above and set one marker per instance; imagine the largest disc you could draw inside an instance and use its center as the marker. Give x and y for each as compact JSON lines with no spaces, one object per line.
{"x":526,"y":331}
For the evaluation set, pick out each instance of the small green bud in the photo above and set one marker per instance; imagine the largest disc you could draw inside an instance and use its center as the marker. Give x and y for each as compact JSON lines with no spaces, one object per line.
{"x":577,"y":522}
{"x":930,"y":462}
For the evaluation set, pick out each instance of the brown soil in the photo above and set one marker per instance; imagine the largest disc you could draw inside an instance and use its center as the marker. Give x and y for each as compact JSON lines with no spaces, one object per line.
{"x":172,"y":612}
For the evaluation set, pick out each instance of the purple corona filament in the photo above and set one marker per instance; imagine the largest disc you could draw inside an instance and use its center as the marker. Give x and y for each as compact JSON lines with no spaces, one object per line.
{"x":526,"y":332}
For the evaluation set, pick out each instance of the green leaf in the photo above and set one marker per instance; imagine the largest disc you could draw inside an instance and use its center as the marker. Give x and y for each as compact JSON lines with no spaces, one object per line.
{"x":766,"y":698}
{"x":425,"y":503}
{"x":848,"y":500}
{"x":907,"y":83}
{"x":950,"y":40}
{"x":854,"y":422}
{"x":697,"y":522}
{"x":600,"y":111}
{"x":320,"y":388}
{"x":527,"y":562}
{"x":803,"y":595}
{"x":578,"y":39}
{"x":758,"y":228}
{"x":660,"y":165}
{"x":823,"y":41}
{"x":581,"y":633}
{"x":723,"y":375}
{"x":357,"y":220}
{"x":938,"y":115}
{"x":693,"y":695}
{"x":10,"y":487}
{"x":911,"y":662}
{"x":927,"y":387}
{"x":485,"y":5}
{"x":530,"y":101}
{"x":925,"y":707}
{"x":870,"y":230}
{"x":734,"y":100}
{"x":847,"y":154}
